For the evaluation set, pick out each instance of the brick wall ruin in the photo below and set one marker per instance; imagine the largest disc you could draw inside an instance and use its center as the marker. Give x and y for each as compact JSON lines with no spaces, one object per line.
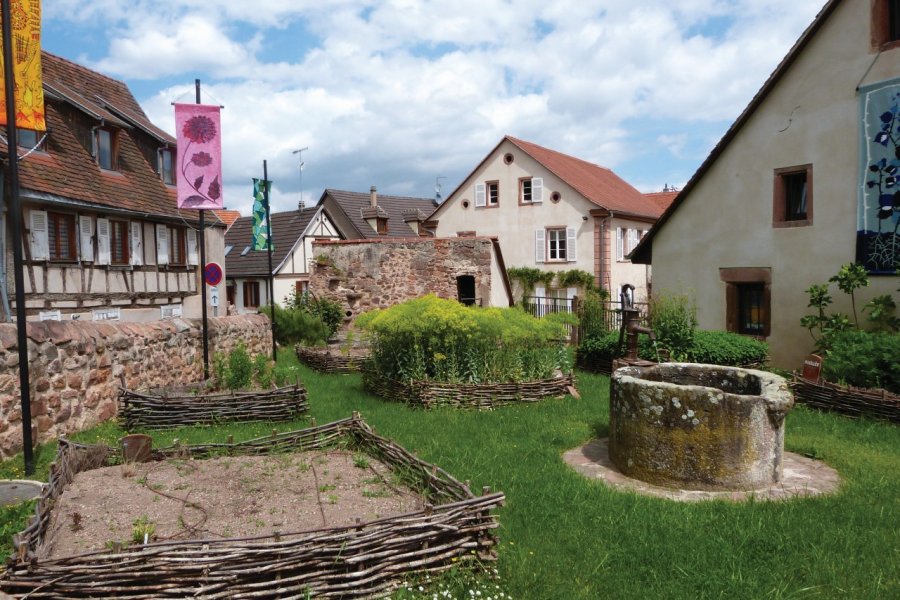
{"x":76,"y":367}
{"x":366,"y":274}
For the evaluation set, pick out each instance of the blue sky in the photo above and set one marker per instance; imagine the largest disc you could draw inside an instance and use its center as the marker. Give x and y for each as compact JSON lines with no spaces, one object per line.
{"x":396,"y":93}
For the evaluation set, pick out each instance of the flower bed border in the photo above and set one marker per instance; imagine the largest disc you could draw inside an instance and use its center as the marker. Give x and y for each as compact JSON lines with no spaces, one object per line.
{"x":324,"y":361}
{"x":159,"y":409}
{"x":367,"y":559}
{"x":851,"y":401}
{"x":428,"y":394}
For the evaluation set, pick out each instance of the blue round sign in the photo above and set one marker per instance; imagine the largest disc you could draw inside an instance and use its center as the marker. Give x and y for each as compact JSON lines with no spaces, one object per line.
{"x":212,"y":274}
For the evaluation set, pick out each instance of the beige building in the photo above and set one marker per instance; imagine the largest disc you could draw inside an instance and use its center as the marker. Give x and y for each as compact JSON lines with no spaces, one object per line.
{"x":785,"y":198}
{"x":553,"y":212}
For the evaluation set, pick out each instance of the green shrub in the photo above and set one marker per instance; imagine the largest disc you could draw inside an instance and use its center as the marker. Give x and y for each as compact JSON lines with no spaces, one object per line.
{"x":443,"y":340}
{"x":293,"y":325}
{"x":864,"y":359}
{"x":708,"y":347}
{"x":593,"y":315}
{"x":240,"y":369}
{"x":673,"y":318}
{"x":263,"y":371}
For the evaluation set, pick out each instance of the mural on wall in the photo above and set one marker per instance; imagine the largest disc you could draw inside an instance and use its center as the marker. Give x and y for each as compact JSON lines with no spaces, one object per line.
{"x":878,"y":217}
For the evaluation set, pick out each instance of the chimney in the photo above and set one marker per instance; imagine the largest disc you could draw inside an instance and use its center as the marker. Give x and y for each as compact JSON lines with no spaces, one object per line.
{"x":373,"y":197}
{"x":301,"y":205}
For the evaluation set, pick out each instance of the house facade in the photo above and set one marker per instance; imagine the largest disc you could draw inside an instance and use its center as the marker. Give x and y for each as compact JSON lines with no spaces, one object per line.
{"x":103,"y":236}
{"x":360,"y":216}
{"x":553,"y":212}
{"x":293,"y":233}
{"x":796,"y":187}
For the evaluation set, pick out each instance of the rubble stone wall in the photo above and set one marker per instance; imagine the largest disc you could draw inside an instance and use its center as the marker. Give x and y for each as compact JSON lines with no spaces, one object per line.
{"x":367,"y":274}
{"x":76,"y":367}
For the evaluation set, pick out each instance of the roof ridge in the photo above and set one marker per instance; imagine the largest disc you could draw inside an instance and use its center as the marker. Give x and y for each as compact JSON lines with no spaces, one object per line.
{"x":519,"y":142}
{"x":86,"y":69}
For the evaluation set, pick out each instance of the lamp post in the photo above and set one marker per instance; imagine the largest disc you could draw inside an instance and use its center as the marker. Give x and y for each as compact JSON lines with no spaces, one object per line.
{"x":299,"y":152}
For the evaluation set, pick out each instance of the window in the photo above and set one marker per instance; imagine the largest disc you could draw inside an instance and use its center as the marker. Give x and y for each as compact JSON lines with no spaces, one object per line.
{"x":167,"y":165}
{"x":228,"y":249}
{"x":177,"y":250}
{"x":626,"y":240}
{"x":118,"y":242}
{"x":381,"y":225}
{"x":61,"y":236}
{"x":885,"y":24}
{"x":493,"y":193}
{"x":301,"y":287}
{"x":531,"y":190}
{"x":556,"y":244}
{"x":106,"y":148}
{"x":893,"y":20}
{"x":251,"y":294}
{"x":792,"y":204}
{"x":28,"y":138}
{"x":748,"y":300}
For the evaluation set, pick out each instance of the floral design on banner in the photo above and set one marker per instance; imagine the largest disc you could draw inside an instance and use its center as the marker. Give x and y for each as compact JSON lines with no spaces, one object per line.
{"x":25,"y":21}
{"x":878,"y":228}
{"x":198,"y":130}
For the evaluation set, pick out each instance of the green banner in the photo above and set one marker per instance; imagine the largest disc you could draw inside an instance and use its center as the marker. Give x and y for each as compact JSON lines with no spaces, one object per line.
{"x":261,"y":214}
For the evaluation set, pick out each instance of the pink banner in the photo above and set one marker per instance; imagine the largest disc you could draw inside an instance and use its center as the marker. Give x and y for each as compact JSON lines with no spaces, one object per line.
{"x":198,"y":128}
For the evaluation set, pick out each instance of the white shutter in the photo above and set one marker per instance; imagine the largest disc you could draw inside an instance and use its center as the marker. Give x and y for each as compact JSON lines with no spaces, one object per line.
{"x":86,"y":234}
{"x":479,"y":195}
{"x":537,"y":189}
{"x":192,"y":257}
{"x":619,"y":244}
{"x":102,"y":241}
{"x":40,"y":244}
{"x":571,"y":293}
{"x":571,"y":244}
{"x":137,"y":243}
{"x":540,"y":292}
{"x":162,"y":245}
{"x":540,"y":246}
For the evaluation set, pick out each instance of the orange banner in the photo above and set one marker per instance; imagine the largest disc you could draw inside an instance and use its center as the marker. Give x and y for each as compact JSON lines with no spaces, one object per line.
{"x":26,"y":43}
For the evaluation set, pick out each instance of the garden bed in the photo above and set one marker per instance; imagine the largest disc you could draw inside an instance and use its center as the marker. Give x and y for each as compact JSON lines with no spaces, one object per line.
{"x":360,"y":560}
{"x":158,"y":409}
{"x":332,"y":359}
{"x":429,"y":394}
{"x":847,"y":400}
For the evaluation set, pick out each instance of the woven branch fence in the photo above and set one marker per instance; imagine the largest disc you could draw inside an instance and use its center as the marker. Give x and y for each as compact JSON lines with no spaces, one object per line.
{"x":847,"y":400}
{"x":365,"y":560}
{"x":428,"y":394}
{"x":326,"y":360}
{"x":162,"y":409}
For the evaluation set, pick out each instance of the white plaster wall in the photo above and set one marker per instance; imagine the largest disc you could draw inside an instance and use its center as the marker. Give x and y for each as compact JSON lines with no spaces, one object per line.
{"x":810,"y":117}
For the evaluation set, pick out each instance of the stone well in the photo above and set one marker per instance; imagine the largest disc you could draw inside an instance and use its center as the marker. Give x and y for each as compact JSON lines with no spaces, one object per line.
{"x":701,"y":427}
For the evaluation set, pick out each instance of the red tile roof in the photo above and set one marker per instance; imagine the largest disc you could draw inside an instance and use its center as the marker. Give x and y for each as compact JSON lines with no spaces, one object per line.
{"x":228,"y":217}
{"x":661,"y":199}
{"x":76,"y":100}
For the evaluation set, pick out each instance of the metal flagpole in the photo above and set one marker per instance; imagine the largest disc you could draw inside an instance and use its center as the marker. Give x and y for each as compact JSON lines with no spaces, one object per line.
{"x":203,"y":274}
{"x":269,"y":246}
{"x":15,"y":220}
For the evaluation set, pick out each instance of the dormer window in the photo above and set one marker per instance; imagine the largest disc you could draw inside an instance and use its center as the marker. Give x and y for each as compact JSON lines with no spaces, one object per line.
{"x":167,"y":165}
{"x":28,"y":138}
{"x":106,"y":148}
{"x":381,"y":225}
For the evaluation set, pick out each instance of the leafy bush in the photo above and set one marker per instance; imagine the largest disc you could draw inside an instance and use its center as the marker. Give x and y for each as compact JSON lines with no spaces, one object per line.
{"x":673,"y":318}
{"x":708,"y":347}
{"x":328,"y":311}
{"x":263,"y":371}
{"x":430,"y":338}
{"x":293,"y":325}
{"x":240,"y":369}
{"x":864,"y":359}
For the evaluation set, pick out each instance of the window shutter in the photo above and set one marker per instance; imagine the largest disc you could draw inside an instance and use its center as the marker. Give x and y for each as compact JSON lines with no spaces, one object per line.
{"x":571,"y":293}
{"x":102,"y":241}
{"x":137,"y":243}
{"x":619,"y":244}
{"x":192,"y":257}
{"x":571,"y":244}
{"x":40,"y":243}
{"x":480,"y":195}
{"x":539,"y":291}
{"x":540,"y":246}
{"x":537,"y":189}
{"x":86,"y":235}
{"x":162,"y":245}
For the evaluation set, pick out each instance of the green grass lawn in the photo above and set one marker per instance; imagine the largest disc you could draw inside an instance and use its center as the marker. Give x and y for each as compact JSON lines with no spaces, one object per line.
{"x":565,"y":537}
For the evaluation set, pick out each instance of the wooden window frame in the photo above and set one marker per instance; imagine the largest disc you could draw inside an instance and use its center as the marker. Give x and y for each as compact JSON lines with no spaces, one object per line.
{"x":162,"y":170}
{"x":381,"y":225}
{"x":54,"y":220}
{"x":565,"y":247}
{"x":253,"y":286}
{"x":884,"y":36}
{"x":780,"y":200}
{"x":119,"y":239}
{"x":523,"y":182}
{"x":37,"y":146}
{"x":177,"y":247}
{"x":735,"y":279}
{"x":495,"y":185}
{"x":113,"y":147}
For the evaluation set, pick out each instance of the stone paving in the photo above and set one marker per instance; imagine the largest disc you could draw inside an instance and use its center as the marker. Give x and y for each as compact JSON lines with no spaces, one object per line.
{"x":802,"y":477}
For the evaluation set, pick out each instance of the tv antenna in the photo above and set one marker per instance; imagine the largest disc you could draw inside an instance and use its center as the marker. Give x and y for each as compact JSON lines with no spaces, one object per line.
{"x":301,"y":205}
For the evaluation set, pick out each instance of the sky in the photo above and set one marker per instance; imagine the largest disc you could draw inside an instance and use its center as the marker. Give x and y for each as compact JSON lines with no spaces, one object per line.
{"x":404,"y":94}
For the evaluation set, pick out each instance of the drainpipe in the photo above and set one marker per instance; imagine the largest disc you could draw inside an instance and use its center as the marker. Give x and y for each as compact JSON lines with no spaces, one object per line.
{"x":604,"y":247}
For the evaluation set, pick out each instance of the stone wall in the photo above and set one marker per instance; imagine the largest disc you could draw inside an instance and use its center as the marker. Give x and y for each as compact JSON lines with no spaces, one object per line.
{"x":366,"y":274}
{"x":76,"y":367}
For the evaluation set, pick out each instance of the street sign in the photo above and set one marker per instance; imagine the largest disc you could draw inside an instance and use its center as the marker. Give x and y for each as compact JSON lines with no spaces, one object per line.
{"x":214,"y":296}
{"x":212,"y":274}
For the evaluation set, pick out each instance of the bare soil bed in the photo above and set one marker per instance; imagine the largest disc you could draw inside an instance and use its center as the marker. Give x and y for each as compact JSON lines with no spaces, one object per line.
{"x":224,"y":497}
